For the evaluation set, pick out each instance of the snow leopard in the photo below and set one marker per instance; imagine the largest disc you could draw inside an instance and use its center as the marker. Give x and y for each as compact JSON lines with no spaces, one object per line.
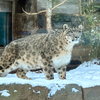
{"x":47,"y":51}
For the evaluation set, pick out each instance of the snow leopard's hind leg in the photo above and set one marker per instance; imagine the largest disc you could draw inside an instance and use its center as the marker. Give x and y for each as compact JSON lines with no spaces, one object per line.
{"x":22,"y":74}
{"x":3,"y":67}
{"x":2,"y":74}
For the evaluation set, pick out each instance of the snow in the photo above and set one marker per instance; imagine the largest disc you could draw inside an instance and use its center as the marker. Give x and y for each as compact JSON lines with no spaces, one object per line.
{"x":92,"y":30}
{"x":5,"y":93}
{"x":94,"y":17}
{"x":29,"y":87}
{"x":36,"y":92}
{"x":85,"y":75}
{"x":74,"y":90}
{"x":15,"y":90}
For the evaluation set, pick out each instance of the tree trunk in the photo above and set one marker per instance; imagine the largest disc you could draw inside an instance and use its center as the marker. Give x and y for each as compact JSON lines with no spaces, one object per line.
{"x":48,"y":16}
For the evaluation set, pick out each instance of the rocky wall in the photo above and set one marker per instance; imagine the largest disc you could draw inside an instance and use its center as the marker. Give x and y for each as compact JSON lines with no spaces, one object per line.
{"x":68,"y":7}
{"x":70,"y":92}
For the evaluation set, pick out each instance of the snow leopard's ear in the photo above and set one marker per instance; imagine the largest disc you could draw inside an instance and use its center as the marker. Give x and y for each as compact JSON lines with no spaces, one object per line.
{"x":65,"y":26}
{"x":80,"y":27}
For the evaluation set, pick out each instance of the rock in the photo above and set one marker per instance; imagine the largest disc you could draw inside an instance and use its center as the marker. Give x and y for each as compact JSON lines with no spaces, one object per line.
{"x":27,"y":92}
{"x":24,"y":92}
{"x":68,"y":93}
{"x":92,"y":93}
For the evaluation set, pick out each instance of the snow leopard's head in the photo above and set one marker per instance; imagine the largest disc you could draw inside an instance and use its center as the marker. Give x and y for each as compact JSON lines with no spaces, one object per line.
{"x":72,"y":35}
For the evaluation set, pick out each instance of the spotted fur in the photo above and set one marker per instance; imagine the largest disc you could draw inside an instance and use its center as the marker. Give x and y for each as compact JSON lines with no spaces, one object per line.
{"x":47,"y":51}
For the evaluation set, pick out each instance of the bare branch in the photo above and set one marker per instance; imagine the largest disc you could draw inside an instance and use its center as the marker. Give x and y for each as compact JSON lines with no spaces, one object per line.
{"x":28,"y":13}
{"x":43,"y":10}
{"x":58,"y":5}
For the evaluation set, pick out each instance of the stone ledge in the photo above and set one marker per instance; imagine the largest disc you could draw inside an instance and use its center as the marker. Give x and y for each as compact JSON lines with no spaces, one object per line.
{"x":92,"y":93}
{"x":71,"y":92}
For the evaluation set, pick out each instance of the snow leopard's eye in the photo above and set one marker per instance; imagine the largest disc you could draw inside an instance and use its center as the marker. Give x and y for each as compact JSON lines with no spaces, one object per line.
{"x":71,"y":31}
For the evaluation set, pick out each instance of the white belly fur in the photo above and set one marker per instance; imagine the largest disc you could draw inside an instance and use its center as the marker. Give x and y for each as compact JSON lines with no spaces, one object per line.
{"x":62,"y":60}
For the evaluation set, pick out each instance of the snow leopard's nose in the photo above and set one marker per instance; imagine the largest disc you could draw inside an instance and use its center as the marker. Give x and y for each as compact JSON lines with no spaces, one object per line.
{"x":76,"y":37}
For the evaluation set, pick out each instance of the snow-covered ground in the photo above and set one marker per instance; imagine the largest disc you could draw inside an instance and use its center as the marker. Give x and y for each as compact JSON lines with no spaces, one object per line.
{"x":86,"y":75}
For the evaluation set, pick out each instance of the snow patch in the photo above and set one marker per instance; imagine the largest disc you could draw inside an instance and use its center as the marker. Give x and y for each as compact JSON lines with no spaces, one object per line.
{"x":92,"y":30}
{"x":15,"y":90}
{"x":29,"y":87}
{"x":74,"y":90}
{"x":5,"y":93}
{"x":34,"y":91}
{"x":38,"y":92}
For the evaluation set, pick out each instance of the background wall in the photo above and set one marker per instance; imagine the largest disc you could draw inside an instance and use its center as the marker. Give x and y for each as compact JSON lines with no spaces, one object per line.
{"x":27,"y":24}
{"x":72,"y":12}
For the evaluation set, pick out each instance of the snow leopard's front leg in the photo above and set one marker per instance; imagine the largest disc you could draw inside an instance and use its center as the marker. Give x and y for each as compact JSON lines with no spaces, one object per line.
{"x":47,"y":66}
{"x":48,"y":70}
{"x":61,"y":72}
